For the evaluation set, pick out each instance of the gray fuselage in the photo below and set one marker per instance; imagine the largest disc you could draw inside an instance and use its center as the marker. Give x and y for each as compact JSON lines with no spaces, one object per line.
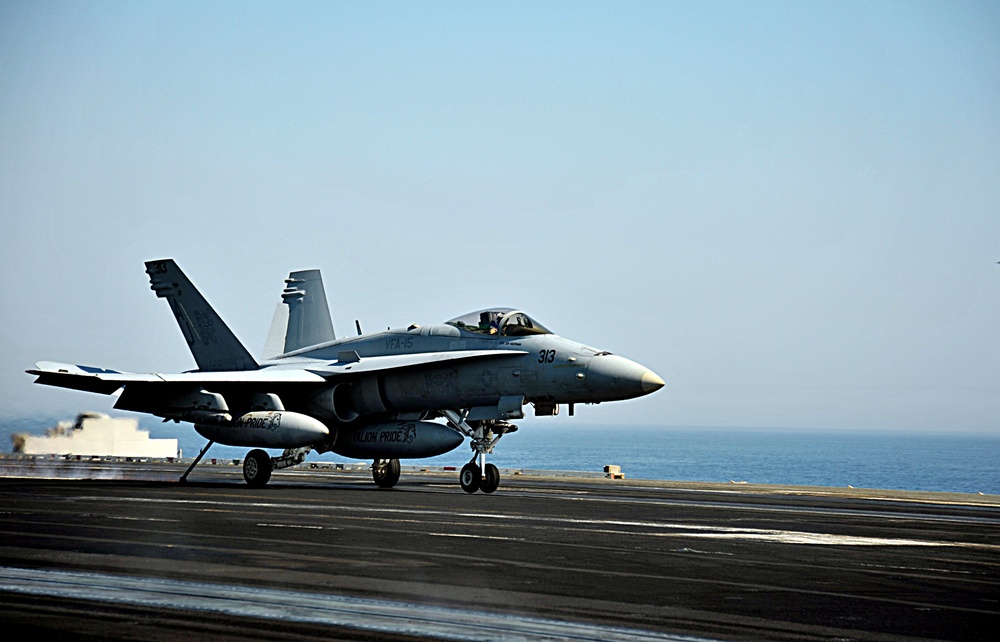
{"x":543,"y":369}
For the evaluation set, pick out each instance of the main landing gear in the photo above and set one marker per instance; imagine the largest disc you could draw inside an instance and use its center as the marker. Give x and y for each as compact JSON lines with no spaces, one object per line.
{"x":257,"y":468}
{"x":477,"y":474}
{"x":385,"y":472}
{"x":257,"y":465}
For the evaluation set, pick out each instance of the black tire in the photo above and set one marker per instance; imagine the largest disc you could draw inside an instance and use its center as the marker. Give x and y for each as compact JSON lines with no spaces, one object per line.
{"x":491,"y":479}
{"x":470,"y":478}
{"x":387,"y":475}
{"x":257,"y":468}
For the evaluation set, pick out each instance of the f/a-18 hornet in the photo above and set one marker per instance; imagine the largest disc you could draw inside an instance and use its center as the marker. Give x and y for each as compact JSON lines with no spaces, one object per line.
{"x":377,"y":396}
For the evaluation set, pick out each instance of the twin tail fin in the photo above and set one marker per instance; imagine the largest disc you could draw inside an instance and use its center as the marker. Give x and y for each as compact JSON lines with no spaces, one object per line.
{"x":302,"y":319}
{"x":214,"y":346}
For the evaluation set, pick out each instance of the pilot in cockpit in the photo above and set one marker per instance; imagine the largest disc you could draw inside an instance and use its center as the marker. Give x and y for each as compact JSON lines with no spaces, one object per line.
{"x":488,"y":322}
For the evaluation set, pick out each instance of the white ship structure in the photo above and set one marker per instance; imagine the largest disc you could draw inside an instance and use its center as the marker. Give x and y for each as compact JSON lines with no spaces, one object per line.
{"x":96,"y":435}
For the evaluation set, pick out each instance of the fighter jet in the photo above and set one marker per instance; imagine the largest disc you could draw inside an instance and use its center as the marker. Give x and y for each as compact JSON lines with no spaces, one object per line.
{"x":404,"y":393}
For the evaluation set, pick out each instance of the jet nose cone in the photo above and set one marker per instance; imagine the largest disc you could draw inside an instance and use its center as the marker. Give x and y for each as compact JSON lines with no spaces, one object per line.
{"x":650,"y":382}
{"x":612,"y":377}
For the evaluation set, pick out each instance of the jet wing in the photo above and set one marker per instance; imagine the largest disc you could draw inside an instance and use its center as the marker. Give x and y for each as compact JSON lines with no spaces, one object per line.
{"x":104,"y":381}
{"x":88,"y":378}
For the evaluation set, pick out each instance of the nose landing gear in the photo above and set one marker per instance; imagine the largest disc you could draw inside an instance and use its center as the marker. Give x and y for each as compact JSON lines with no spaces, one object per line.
{"x":491,"y":479}
{"x":477,"y":474}
{"x":473,"y":478}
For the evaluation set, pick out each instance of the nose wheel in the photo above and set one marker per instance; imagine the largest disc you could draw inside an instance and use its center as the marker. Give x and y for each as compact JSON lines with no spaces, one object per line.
{"x":491,"y":479}
{"x":477,"y":474}
{"x":473,"y":478}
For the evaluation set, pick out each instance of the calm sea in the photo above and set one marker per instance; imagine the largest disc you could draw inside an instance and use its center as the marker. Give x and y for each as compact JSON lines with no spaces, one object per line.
{"x":965,"y":462}
{"x":936,"y":461}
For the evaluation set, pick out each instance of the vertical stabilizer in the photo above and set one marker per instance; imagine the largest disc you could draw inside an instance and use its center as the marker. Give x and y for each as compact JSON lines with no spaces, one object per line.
{"x":308,"y":314}
{"x":213,"y":344}
{"x":274,"y":345}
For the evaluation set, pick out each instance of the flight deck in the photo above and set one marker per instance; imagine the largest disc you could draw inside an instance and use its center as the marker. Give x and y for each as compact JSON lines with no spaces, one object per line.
{"x":118,"y":550}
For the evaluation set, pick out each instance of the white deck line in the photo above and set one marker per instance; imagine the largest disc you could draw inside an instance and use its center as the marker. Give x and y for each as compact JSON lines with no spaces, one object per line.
{"x":318,"y":608}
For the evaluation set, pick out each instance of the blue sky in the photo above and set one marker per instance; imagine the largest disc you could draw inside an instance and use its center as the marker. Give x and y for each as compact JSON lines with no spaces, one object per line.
{"x":790,"y":211}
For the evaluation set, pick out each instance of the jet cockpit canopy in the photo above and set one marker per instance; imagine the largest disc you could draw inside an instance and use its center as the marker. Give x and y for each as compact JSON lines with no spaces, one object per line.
{"x":505,"y":322}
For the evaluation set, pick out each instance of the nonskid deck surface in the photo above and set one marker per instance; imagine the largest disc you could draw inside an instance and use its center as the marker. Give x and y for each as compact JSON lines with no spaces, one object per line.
{"x":123,"y":551}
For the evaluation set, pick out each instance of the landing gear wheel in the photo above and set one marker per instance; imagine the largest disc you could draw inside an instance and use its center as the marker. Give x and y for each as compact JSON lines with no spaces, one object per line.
{"x":385,"y":472}
{"x":470,"y":478}
{"x":491,"y":479}
{"x":257,"y":468}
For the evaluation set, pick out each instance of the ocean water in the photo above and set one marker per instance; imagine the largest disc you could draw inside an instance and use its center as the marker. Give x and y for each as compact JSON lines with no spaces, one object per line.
{"x":960,"y":462}
{"x":965,"y":462}
{"x":935,"y":461}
